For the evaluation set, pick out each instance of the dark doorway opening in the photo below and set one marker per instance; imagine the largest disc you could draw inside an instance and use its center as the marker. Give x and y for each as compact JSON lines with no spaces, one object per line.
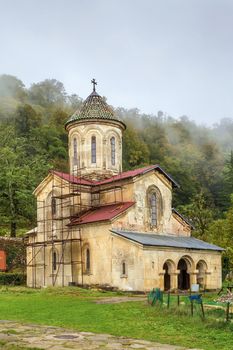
{"x":183,"y":277}
{"x":167,"y":278}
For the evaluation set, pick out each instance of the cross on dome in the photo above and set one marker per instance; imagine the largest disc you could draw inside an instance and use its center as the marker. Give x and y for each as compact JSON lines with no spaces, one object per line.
{"x":94,"y":82}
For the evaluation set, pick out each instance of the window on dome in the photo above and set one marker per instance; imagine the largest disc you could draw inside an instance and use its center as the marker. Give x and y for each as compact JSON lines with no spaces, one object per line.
{"x":93,"y":149}
{"x":75,"y":151}
{"x":113,"y":150}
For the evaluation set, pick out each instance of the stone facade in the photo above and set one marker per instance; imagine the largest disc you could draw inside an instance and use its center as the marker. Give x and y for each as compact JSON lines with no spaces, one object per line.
{"x":81,"y":134}
{"x":76,"y":239}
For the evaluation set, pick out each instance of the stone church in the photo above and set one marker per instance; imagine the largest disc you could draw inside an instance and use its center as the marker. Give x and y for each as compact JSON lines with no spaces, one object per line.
{"x":99,"y":225}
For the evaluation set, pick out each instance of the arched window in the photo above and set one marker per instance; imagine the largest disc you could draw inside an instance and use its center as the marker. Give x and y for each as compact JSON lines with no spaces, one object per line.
{"x":75,"y":151}
{"x":53,"y":206}
{"x":93,"y":149}
{"x":153,"y":204}
{"x":113,"y":150}
{"x":88,"y":260}
{"x":54,"y":261}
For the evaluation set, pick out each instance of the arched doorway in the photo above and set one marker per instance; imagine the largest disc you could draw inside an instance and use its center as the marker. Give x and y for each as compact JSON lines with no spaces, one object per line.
{"x":169,"y":268}
{"x":167,"y":277}
{"x":183,"y":277}
{"x":201,"y":275}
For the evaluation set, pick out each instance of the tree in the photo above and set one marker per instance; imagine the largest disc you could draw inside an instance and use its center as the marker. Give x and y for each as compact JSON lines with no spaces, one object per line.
{"x":200,"y":214}
{"x":220,"y":232}
{"x":48,"y":93}
{"x":154,"y":137}
{"x":75,"y":101}
{"x":226,"y":189}
{"x":18,"y":178}
{"x":136,"y":152}
{"x":26,"y":120}
{"x":10,"y":86}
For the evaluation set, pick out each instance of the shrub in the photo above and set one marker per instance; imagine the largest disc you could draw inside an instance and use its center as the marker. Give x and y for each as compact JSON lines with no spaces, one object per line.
{"x":15,"y":253}
{"x":8,"y":278}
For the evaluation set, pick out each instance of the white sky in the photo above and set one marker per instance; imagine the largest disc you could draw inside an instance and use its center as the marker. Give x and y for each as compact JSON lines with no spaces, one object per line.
{"x":169,"y":55}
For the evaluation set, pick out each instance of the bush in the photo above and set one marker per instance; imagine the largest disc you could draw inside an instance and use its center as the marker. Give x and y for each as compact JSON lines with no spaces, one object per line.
{"x":15,"y":253}
{"x":12,"y":278}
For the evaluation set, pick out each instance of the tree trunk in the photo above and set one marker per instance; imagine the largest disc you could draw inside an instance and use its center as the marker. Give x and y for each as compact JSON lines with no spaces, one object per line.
{"x":13,"y":229}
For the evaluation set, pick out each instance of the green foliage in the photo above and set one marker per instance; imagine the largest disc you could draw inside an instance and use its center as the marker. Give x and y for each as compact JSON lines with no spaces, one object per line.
{"x":227,"y":185}
{"x":200,"y":213}
{"x":11,"y":86}
{"x":16,"y":185}
{"x":26,"y":120}
{"x":47,"y":93}
{"x":10,"y":278}
{"x":15,"y":252}
{"x":220,"y":232}
{"x":136,"y":152}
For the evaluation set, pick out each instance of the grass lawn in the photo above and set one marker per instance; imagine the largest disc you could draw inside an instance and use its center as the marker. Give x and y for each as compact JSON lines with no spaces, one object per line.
{"x":76,"y":308}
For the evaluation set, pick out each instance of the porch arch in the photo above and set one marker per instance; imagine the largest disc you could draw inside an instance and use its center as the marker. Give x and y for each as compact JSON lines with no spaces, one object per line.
{"x":185,"y":267}
{"x":201,"y":268}
{"x":169,"y":269}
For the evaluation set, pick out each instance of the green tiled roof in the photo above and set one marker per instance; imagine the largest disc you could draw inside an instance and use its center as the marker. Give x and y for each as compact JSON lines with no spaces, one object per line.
{"x":94,"y":107}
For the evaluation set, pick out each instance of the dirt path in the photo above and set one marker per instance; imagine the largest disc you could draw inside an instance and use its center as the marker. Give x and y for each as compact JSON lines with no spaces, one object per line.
{"x":116,"y":300}
{"x":30,"y":336}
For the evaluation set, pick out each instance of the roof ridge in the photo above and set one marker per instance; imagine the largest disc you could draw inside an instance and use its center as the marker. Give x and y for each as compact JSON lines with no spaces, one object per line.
{"x":121,"y":176}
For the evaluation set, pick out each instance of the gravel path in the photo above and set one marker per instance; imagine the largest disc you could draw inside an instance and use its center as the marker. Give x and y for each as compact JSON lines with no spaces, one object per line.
{"x":117,"y":300}
{"x":55,"y":338}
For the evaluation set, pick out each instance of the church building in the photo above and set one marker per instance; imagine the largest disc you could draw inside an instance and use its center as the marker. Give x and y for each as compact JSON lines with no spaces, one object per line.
{"x":99,"y":225}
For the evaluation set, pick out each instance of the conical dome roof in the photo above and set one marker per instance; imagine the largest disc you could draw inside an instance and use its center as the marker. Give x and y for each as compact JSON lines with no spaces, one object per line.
{"x":94,"y":107}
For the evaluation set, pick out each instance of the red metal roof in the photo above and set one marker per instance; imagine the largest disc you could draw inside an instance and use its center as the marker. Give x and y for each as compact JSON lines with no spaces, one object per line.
{"x":71,"y":178}
{"x":122,"y":176}
{"x":125,"y":175}
{"x":103,"y":213}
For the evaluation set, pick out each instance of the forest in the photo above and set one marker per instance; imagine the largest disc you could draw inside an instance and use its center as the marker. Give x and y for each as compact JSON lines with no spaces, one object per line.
{"x":33,"y":140}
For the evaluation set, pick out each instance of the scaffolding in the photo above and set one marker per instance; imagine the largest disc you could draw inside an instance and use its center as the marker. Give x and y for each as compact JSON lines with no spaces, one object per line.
{"x":52,"y":248}
{"x":54,"y":235}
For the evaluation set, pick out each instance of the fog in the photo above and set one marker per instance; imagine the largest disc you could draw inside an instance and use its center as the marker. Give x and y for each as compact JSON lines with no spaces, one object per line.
{"x":169,"y":55}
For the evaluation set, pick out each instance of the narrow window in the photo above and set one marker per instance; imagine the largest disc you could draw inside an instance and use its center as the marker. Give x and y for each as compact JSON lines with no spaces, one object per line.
{"x":53,"y":206}
{"x":88,"y":262}
{"x":93,"y":149}
{"x":123,"y":268}
{"x":113,"y":150}
{"x":153,"y":209}
{"x":75,"y":152}
{"x":54,"y":261}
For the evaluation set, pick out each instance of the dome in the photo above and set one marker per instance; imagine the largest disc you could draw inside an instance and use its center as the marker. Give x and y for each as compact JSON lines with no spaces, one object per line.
{"x":94,"y":107}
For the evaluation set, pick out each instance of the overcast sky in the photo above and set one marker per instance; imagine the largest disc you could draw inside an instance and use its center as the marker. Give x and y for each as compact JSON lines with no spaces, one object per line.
{"x":169,"y":55}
